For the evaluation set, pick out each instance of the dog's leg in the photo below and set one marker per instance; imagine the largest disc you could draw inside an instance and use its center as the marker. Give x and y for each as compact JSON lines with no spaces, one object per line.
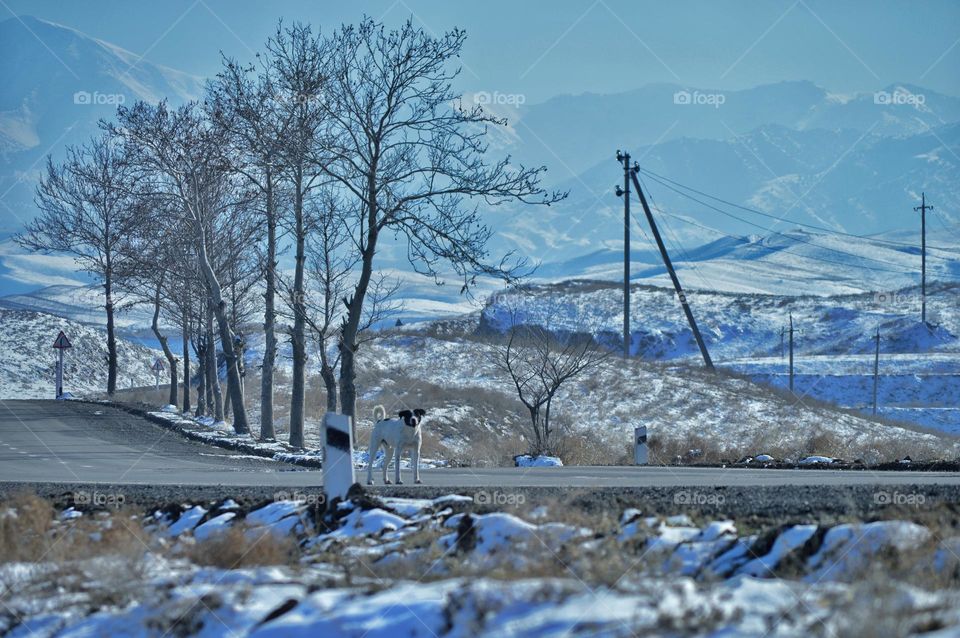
{"x":416,"y":462}
{"x":387,"y":452}
{"x":371,"y":455}
{"x":396,"y":459}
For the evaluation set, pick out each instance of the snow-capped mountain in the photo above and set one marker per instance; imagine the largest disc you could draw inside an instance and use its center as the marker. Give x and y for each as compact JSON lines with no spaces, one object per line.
{"x":577,"y":131}
{"x":858,"y":182}
{"x":793,"y":150}
{"x":57,"y":83}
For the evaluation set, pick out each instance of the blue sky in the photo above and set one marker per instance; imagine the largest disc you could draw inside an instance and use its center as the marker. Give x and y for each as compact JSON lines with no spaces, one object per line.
{"x":540,"y":49}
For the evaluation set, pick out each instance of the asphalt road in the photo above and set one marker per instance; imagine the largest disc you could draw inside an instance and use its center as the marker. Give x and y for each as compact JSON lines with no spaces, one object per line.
{"x":72,"y":442}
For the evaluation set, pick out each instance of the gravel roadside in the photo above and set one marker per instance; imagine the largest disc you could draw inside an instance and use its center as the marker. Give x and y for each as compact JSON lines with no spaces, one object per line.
{"x":823,"y":504}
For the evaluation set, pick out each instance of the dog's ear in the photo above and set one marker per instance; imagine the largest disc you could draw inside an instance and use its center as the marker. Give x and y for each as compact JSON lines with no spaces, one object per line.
{"x":420,"y":412}
{"x":404,"y":414}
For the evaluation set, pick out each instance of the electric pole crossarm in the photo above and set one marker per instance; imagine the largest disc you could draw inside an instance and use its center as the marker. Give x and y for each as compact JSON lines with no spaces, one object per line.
{"x":673,"y":275}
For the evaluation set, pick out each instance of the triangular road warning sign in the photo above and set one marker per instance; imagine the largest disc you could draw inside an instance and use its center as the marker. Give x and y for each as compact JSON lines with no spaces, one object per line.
{"x":62,"y":342}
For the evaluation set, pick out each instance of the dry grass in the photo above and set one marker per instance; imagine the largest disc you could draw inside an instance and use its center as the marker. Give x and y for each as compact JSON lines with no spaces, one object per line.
{"x":30,"y":531}
{"x":25,"y":522}
{"x":240,"y":546}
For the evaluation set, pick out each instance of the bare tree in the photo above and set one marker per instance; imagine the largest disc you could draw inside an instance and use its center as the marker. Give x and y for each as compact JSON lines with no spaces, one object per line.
{"x":414,"y":158}
{"x":332,"y":260}
{"x":88,"y":210}
{"x":296,"y":57}
{"x":243,"y":103}
{"x":330,"y":264}
{"x":538,"y":364}
{"x":181,"y":151}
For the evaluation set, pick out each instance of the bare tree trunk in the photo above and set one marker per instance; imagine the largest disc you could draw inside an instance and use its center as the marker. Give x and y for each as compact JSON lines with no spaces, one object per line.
{"x":348,"y":388}
{"x":218,"y":306}
{"x":171,"y":360}
{"x":213,"y":372}
{"x":267,"y":431}
{"x":240,"y":348}
{"x":329,"y":378}
{"x":299,"y":324}
{"x":111,"y":333}
{"x":548,"y":444}
{"x":202,"y":398}
{"x":351,"y":326}
{"x":186,"y":365}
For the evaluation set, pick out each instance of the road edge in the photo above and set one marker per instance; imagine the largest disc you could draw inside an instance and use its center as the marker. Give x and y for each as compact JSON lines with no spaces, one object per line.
{"x":235,"y":445}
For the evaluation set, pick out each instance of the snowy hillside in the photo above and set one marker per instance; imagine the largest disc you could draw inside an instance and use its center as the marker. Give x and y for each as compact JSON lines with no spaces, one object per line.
{"x":920,"y":366}
{"x":28,"y":361}
{"x":681,"y":405}
{"x":735,"y":325}
{"x":790,"y":262}
{"x":83,"y":304}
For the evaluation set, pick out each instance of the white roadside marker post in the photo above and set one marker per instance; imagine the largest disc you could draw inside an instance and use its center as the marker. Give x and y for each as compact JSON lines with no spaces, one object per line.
{"x":61,"y":343}
{"x":338,"y":473}
{"x":641,"y":452}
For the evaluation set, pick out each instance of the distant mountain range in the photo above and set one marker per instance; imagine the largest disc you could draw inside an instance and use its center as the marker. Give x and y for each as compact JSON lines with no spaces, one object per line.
{"x":581,"y":130}
{"x":57,"y":83}
{"x":855,"y":163}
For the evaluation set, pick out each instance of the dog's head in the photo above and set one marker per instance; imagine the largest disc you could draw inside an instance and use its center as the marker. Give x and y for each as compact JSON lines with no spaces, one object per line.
{"x":413,"y":418}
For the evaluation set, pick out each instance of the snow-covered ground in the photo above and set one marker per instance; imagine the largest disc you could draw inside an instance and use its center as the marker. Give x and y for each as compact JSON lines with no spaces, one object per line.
{"x":678,"y":403}
{"x":834,"y":347}
{"x":28,"y":360}
{"x":921,"y":388}
{"x":222,"y":434}
{"x":437,"y":567}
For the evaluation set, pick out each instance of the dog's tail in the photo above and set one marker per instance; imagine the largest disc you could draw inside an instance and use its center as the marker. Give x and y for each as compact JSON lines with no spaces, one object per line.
{"x":379,"y":413}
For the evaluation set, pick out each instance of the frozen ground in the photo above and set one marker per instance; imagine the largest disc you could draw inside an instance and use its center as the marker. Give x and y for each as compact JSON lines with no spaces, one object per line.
{"x":439,"y":567}
{"x":921,"y":389}
{"x":677,"y":402}
{"x":28,"y":360}
{"x":745,"y":332}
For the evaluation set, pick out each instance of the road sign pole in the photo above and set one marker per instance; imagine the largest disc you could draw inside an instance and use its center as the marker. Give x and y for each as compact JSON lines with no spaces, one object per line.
{"x":60,"y":344}
{"x":59,"y":372}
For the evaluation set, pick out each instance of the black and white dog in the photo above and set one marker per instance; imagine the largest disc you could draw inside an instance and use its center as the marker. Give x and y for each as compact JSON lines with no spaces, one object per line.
{"x":396,"y":435}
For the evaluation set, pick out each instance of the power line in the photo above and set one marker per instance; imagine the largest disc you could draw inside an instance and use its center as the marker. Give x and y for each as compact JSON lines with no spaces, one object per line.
{"x":672,"y":236}
{"x":953,"y":231}
{"x":782,"y":250}
{"x":832,"y":231}
{"x":799,"y":239}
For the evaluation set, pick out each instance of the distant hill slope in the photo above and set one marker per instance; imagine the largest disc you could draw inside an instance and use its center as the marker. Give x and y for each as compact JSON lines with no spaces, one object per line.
{"x":57,"y":83}
{"x":734,"y":326}
{"x":792,"y":262}
{"x":28,"y":360}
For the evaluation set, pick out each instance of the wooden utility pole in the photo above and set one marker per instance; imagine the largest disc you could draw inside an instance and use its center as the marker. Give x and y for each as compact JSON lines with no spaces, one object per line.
{"x":624,"y":158}
{"x":876,"y":368}
{"x":782,"y":353}
{"x":632,"y":172}
{"x":923,"y":208}
{"x":791,"y":352}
